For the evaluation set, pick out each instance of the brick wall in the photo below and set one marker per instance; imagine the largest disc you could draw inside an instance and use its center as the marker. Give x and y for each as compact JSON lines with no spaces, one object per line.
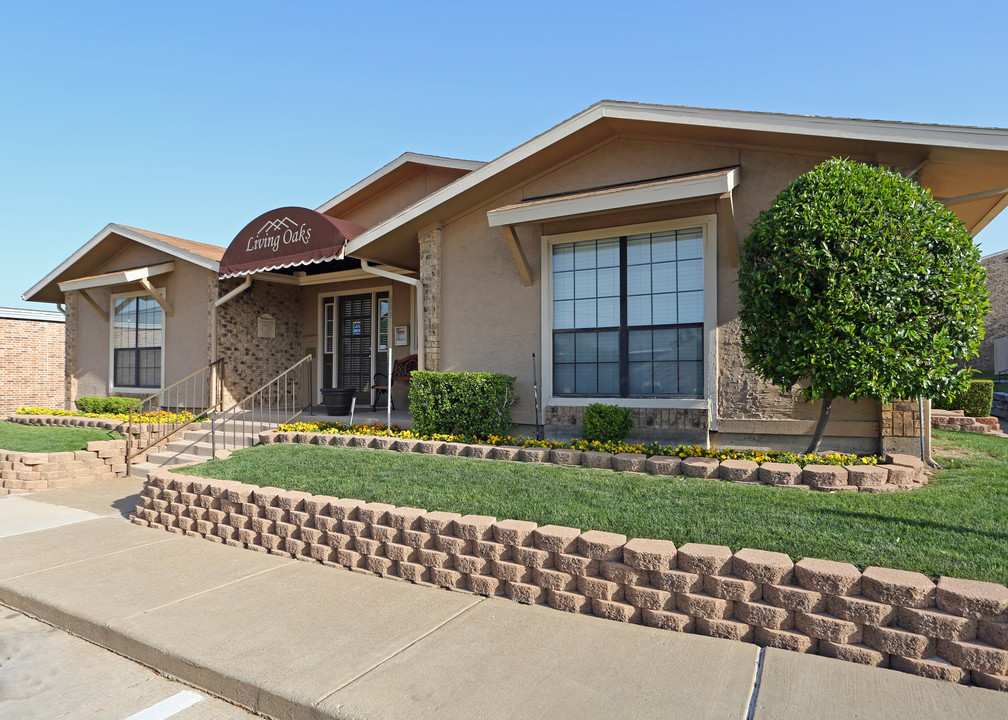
{"x":996,"y":323}
{"x":954,"y":630}
{"x":31,"y":362}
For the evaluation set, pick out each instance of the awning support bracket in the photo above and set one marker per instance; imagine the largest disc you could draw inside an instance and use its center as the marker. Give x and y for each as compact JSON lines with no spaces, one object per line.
{"x":168,"y":310}
{"x":518,"y":254}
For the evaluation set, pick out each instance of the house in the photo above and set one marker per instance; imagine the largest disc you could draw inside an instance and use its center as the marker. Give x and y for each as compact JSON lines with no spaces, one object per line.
{"x":31,"y":358}
{"x":608,"y":246}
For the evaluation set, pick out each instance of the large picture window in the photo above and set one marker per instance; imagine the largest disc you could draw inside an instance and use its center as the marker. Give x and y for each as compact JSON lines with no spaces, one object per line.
{"x":628,"y":316}
{"x":136,"y":342}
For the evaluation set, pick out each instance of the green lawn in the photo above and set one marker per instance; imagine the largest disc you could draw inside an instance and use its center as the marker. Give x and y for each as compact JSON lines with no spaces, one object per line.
{"x":956,"y":526}
{"x":37,"y":438}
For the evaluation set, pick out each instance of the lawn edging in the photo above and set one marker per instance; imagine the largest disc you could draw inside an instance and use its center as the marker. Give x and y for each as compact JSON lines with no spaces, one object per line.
{"x":25,"y":472}
{"x":900,"y":472}
{"x":955,"y":630}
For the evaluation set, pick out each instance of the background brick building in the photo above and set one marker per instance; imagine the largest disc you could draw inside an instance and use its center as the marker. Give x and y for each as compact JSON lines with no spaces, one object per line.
{"x":31,"y":359}
{"x":996,"y":324}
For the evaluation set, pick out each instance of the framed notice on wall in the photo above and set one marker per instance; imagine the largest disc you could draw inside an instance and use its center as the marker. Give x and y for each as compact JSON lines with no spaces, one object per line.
{"x":401,"y":335}
{"x":266,"y":326}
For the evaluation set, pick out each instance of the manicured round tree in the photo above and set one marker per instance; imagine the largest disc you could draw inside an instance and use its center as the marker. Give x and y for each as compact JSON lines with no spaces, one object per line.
{"x":856,"y":283}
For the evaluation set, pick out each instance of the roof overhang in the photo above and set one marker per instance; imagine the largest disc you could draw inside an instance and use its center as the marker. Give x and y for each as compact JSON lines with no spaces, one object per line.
{"x":119,"y":277}
{"x":284,"y":238}
{"x":685,"y":187}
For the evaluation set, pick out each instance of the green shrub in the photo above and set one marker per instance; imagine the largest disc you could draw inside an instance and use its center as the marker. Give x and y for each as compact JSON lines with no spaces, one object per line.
{"x":106,"y":404}
{"x":606,"y":423}
{"x":974,"y":401}
{"x":461,"y":403}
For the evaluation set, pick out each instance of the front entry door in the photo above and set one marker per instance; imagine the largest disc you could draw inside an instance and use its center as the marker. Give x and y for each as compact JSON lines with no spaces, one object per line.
{"x":355,"y":342}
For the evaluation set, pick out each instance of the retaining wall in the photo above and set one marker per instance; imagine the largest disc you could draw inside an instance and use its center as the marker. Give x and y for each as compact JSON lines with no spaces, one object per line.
{"x":138,"y":436}
{"x":955,"y":630}
{"x":24,"y":472}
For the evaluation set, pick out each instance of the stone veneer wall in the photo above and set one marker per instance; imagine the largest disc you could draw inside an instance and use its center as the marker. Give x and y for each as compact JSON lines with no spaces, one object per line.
{"x":954,"y":630}
{"x":996,"y":323}
{"x":250,"y":361}
{"x":900,"y":427}
{"x":430,"y":276}
{"x":31,"y":359}
{"x":25,"y":472}
{"x":685,"y":426}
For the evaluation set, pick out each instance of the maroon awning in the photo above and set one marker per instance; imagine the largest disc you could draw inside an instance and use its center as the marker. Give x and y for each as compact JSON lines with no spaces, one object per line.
{"x":284,"y":238}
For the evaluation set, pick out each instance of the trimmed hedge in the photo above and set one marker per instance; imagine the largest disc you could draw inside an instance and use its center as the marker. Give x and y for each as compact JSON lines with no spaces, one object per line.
{"x":974,"y":401}
{"x":102,"y":405}
{"x":467,"y":403}
{"x":606,"y":423}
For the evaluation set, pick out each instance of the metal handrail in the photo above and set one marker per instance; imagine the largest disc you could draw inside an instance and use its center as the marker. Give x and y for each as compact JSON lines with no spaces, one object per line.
{"x":198,"y":394}
{"x":279,"y":401}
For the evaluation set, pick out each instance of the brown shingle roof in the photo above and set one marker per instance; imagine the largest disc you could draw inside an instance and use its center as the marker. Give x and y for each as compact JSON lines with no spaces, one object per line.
{"x":210,"y":252}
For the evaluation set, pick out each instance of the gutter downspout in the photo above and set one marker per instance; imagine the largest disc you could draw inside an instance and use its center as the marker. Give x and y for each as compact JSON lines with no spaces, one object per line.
{"x":234,"y":293}
{"x":416,"y":283}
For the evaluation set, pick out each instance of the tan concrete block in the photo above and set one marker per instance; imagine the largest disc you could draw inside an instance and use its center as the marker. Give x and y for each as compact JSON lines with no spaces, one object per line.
{"x":676,"y":581}
{"x":992,"y":633}
{"x":935,"y":669}
{"x":668,"y":620}
{"x":705,"y":559}
{"x":909,"y":461}
{"x":761,"y":566}
{"x":286,"y":530}
{"x":860,"y":654}
{"x":534,"y":455}
{"x":563,"y":456}
{"x":898,"y":642}
{"x":700,"y":467}
{"x":973,"y":655}
{"x":568,"y":601}
{"x":771,"y":473}
{"x":554,"y":579}
{"x":514,"y":532}
{"x":453,"y":545}
{"x":826,"y":576}
{"x":366,"y":546}
{"x":400,"y":553}
{"x":32,"y":459}
{"x":263,"y":525}
{"x":621,"y":573}
{"x":990,"y":681}
{"x":374,"y":512}
{"x":447,"y":578}
{"x":505,"y":452}
{"x":861,"y":611}
{"x":973,"y":598}
{"x":532,"y":557}
{"x":698,"y":605}
{"x":599,"y":545}
{"x":486,"y":585}
{"x":645,"y":554}
{"x":762,"y":614}
{"x":575,"y":564}
{"x":649,"y":597}
{"x":731,"y":588}
{"x":594,"y":587}
{"x":937,"y":624}
{"x":491,"y":550}
{"x":417,"y":539}
{"x":867,"y":476}
{"x":439,"y":523}
{"x":322,"y":553}
{"x":350,"y":558}
{"x":898,"y":587}
{"x":327,"y":523}
{"x":739,"y":471}
{"x":826,"y":627}
{"x":414,"y":572}
{"x":381,"y":533}
{"x":661,"y":465}
{"x":510,"y":572}
{"x":470,"y":564}
{"x":475,"y":527}
{"x":727,"y":629}
{"x":556,"y":538}
{"x":338,"y":541}
{"x":611,"y":610}
{"x":785,"y":640}
{"x":344,"y":508}
{"x":405,"y":518}
{"x":319,"y":504}
{"x":296,"y":548}
{"x":479,"y":451}
{"x":824,"y":476}
{"x":382,"y":442}
{"x":629,"y":462}
{"x":525,"y":593}
{"x":598,"y":460}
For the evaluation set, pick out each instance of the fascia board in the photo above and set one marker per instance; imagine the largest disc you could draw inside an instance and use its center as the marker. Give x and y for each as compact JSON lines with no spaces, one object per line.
{"x":117,"y":278}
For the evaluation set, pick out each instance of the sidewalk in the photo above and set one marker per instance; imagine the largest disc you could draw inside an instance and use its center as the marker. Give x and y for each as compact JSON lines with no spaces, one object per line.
{"x":349,"y":645}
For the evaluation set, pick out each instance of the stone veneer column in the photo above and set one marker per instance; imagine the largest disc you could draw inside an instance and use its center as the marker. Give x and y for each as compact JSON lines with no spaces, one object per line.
{"x":900,"y":427}
{"x":70,"y":351}
{"x":430,"y":276}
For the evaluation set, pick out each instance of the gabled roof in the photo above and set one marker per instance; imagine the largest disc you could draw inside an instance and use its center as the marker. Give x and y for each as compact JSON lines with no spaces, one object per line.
{"x":407,"y":158}
{"x":197,"y":253}
{"x":613,"y":117}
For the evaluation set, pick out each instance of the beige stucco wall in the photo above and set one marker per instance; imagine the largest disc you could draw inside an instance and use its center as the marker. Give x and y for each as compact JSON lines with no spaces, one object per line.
{"x":186,"y":347}
{"x":491,"y":321}
{"x":390,"y":201}
{"x":996,"y":323}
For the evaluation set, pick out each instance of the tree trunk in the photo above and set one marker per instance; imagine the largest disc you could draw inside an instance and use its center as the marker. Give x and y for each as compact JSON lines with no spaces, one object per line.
{"x":820,"y":426}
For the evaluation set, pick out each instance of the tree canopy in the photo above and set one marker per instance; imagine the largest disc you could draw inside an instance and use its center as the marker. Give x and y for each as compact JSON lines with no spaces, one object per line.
{"x":857,"y":283}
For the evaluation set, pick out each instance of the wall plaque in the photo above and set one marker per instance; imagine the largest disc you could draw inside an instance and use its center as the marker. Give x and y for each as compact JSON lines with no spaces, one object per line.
{"x":266,"y":326}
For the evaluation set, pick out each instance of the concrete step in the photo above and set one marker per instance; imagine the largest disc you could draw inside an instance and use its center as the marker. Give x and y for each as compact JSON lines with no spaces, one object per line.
{"x":167,"y":458}
{"x":223,"y":438}
{"x":140,"y":470}
{"x":183,"y":447}
{"x":253,"y":428}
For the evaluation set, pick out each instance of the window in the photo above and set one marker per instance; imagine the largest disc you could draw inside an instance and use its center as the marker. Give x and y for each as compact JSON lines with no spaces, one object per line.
{"x":628,"y":316}
{"x":136,"y":342}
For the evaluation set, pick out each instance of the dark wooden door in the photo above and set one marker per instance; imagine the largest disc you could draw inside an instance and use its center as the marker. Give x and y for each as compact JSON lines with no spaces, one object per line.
{"x":355,"y":342}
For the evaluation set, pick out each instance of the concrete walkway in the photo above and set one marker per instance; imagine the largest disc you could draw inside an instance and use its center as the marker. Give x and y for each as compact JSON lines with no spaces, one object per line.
{"x":296,"y":640}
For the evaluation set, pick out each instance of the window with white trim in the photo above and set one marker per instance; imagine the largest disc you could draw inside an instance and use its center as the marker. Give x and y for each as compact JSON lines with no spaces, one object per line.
{"x":628,"y":316}
{"x":137,"y":339}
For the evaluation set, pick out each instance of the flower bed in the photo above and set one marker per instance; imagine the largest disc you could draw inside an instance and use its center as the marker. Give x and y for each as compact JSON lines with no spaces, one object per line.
{"x":954,"y":630}
{"x":160,"y":416}
{"x":899,"y":472}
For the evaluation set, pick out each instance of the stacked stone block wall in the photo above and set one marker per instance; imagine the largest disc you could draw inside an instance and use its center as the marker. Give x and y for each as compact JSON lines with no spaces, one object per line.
{"x":31,"y":363}
{"x":957,"y":420}
{"x":139,"y":436}
{"x":24,"y":472}
{"x":954,"y":630}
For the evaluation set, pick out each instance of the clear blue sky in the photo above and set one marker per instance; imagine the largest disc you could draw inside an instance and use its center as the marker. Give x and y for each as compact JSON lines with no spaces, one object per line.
{"x":190,"y":118}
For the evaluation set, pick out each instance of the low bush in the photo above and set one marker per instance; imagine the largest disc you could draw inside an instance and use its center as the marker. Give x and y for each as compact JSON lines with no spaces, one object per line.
{"x":606,"y":423}
{"x":467,"y":403}
{"x":974,"y":401}
{"x":97,"y":405}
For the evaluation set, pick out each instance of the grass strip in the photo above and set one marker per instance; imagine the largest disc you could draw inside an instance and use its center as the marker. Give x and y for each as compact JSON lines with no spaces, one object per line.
{"x":35,"y":438}
{"x":955,"y":526}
